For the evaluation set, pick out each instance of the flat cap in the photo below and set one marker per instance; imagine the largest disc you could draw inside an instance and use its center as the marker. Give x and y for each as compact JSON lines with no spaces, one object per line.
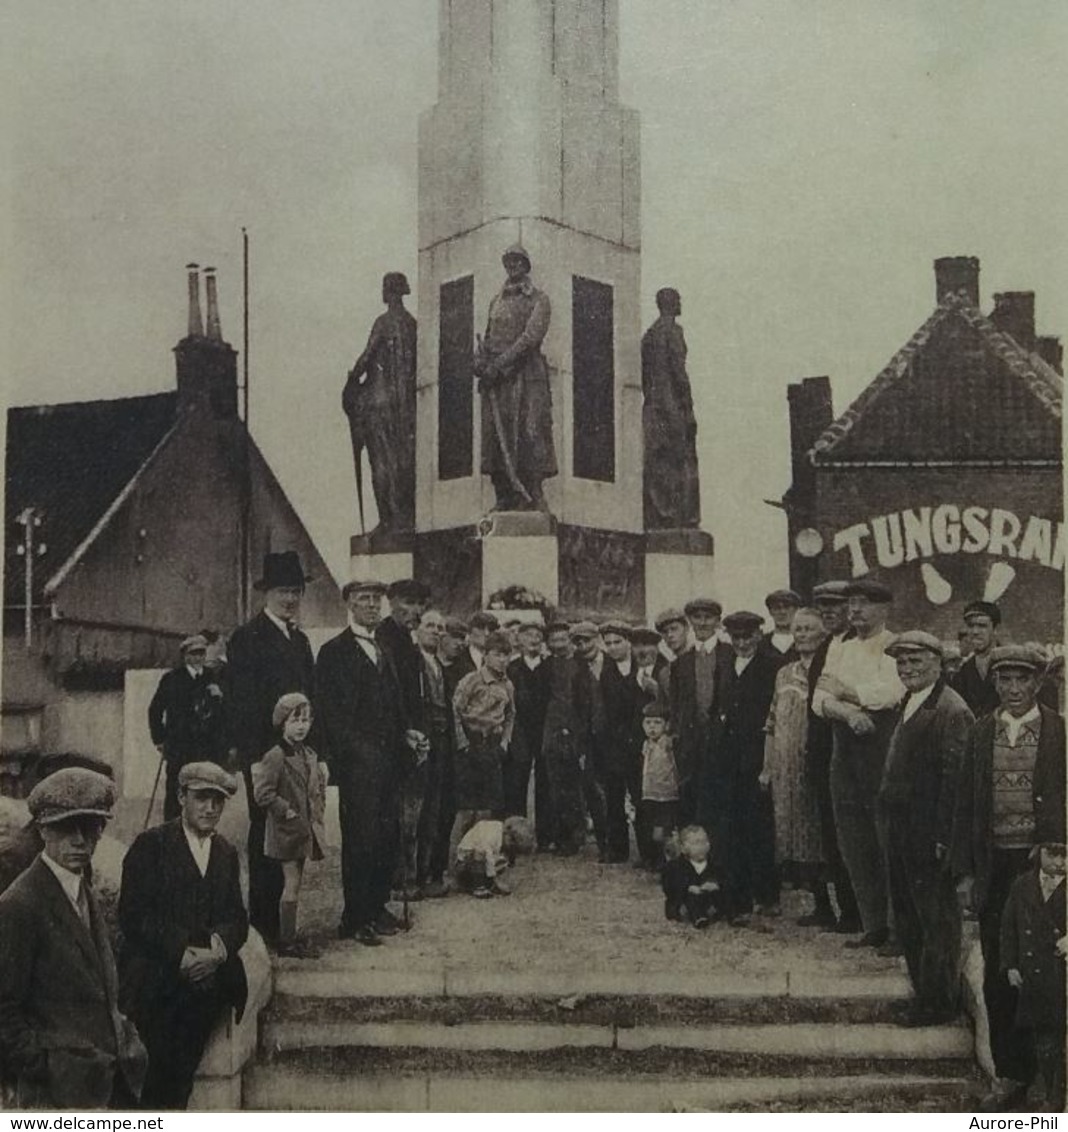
{"x":742,"y":622}
{"x":71,"y":792}
{"x":654,"y":710}
{"x":287,"y":705}
{"x":537,"y":626}
{"x":830,"y":593}
{"x":618,"y":628}
{"x":667,"y":617}
{"x":584,"y":629}
{"x":703,"y":605}
{"x":408,"y":589}
{"x":362,"y":586}
{"x":499,"y":641}
{"x":456,"y":627}
{"x":915,"y":640}
{"x":197,"y":642}
{"x":207,"y":776}
{"x":784,"y":597}
{"x":871,"y":589}
{"x":644,"y":636}
{"x":558,"y":627}
{"x":983,"y":609}
{"x":483,"y":619}
{"x":1017,"y":656}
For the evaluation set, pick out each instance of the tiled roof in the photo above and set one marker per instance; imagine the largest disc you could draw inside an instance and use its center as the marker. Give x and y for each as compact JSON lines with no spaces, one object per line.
{"x":71,"y":462}
{"x":959,"y":389}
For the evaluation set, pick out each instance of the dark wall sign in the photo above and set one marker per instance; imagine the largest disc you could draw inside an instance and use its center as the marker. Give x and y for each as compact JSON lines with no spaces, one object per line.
{"x":456,"y":379}
{"x":593,"y":367}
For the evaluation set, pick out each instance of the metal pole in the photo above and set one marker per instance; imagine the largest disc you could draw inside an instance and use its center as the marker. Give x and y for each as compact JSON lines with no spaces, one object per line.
{"x":246,"y":468}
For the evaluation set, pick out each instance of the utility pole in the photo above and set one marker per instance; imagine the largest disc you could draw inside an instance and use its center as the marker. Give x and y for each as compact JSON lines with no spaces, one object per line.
{"x":29,"y":519}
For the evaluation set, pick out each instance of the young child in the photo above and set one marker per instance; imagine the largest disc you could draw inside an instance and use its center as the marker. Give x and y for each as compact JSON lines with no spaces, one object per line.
{"x":1033,"y":951}
{"x":660,"y":784}
{"x":484,"y":706}
{"x":289,"y":782}
{"x":485,"y":849}
{"x":690,"y":889}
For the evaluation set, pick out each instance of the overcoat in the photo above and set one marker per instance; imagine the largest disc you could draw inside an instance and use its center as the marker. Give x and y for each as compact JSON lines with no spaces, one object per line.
{"x":287,"y":780}
{"x":1030,"y":928}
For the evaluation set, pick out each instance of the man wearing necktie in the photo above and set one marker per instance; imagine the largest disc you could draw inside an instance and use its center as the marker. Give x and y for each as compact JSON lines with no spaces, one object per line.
{"x":62,"y":1035}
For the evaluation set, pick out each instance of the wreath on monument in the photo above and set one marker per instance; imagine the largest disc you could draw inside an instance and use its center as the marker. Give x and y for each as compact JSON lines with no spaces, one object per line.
{"x":520,"y":598}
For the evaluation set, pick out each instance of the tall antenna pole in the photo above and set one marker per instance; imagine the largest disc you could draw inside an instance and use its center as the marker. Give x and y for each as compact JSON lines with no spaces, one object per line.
{"x":246,"y":463}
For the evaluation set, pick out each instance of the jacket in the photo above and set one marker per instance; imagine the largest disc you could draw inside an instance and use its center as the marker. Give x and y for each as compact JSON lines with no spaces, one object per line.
{"x":186,"y":716}
{"x":1030,"y":928}
{"x":691,"y":739}
{"x":623,"y":702}
{"x":285,"y":781}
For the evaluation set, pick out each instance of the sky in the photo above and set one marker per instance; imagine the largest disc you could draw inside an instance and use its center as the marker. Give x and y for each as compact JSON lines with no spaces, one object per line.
{"x":803,"y":163}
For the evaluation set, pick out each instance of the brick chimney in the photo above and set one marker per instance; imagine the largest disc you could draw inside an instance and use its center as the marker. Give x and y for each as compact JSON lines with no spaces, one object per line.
{"x":957,"y":273}
{"x":1050,"y":350}
{"x":1014,"y":314}
{"x":206,"y":365}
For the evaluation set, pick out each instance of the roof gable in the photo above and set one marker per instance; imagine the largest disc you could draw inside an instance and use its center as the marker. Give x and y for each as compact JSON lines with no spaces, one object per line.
{"x":71,"y":462}
{"x":958,"y":391}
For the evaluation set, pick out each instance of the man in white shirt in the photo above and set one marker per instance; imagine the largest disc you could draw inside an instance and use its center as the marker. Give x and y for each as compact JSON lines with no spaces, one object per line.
{"x":858,"y":690}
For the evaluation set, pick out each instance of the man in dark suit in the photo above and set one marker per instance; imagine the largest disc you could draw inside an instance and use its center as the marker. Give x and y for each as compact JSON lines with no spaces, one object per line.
{"x":778,"y":642}
{"x":974,"y":681}
{"x":183,"y":923}
{"x":650,"y":665}
{"x":735,"y":810}
{"x":454,"y":654}
{"x":917,"y":798}
{"x":269,"y":656}
{"x":622,"y":744}
{"x":362,"y":735}
{"x":62,"y":1037}
{"x":531,"y":699}
{"x":1012,"y":782}
{"x":185,"y":717}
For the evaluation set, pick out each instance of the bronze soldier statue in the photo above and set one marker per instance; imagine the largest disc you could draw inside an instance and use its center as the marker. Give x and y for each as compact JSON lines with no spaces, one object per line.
{"x":381,"y":409}
{"x":672,"y":493}
{"x":513,"y":377}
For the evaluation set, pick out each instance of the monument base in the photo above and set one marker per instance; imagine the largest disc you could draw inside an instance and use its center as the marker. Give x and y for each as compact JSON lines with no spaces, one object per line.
{"x":383,"y":557}
{"x":519,"y":548}
{"x":678,"y":566}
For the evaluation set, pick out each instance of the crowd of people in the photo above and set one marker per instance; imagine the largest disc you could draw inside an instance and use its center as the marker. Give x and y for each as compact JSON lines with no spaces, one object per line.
{"x":906,"y":784}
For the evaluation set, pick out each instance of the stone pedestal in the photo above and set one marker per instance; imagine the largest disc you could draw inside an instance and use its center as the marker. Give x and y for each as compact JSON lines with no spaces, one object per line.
{"x":381,"y":558}
{"x":520,"y":548}
{"x":678,"y":566}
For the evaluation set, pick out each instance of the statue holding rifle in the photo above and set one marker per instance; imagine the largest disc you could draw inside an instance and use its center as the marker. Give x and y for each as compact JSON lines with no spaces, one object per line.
{"x":513,"y":378}
{"x":379,"y":400}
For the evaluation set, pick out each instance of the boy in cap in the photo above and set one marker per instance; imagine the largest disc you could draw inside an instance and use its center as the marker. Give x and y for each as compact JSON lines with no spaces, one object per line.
{"x":658,"y":809}
{"x":62,"y":1037}
{"x":183,"y":923}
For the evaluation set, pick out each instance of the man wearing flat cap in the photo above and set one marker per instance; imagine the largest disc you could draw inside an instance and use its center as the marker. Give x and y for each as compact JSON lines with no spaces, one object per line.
{"x":974,"y":681}
{"x":917,"y":799}
{"x":62,"y":1036}
{"x":269,"y":656}
{"x":185,"y":717}
{"x":183,"y":923}
{"x":858,"y":691}
{"x":589,"y":651}
{"x":381,"y":408}
{"x":779,"y":640}
{"x":1012,"y":782}
{"x":621,"y":746}
{"x":518,"y":452}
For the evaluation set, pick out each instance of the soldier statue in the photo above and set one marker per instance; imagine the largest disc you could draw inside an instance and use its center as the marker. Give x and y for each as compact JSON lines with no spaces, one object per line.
{"x":672,"y":493}
{"x":381,"y":409}
{"x":513,"y":378}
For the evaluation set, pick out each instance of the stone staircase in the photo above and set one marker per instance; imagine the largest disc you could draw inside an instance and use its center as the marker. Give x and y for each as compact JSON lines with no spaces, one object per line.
{"x":362,"y":1031}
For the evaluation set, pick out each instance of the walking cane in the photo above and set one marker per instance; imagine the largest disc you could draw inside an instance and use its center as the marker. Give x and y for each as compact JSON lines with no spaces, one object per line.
{"x":152,"y":800}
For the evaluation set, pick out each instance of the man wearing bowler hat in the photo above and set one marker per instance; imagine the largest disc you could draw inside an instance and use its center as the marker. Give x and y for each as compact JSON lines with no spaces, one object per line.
{"x":1011,"y":784}
{"x":858,"y":691}
{"x":186,"y":718}
{"x":917,"y":798}
{"x":183,"y":923}
{"x":269,"y":656}
{"x":62,"y":1037}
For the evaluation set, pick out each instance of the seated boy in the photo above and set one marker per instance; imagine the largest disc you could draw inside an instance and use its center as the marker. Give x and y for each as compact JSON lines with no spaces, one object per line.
{"x":487,"y":848}
{"x":690,"y":889}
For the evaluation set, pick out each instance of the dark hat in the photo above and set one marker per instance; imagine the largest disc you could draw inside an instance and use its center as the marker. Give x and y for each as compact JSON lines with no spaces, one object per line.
{"x":362,"y":586}
{"x":667,"y":617}
{"x":516,"y":250}
{"x":872,"y":590}
{"x":703,"y":605}
{"x":282,"y":570}
{"x":619,"y":628}
{"x":644,"y":636}
{"x":667,"y":295}
{"x":456,"y":627}
{"x":207,"y":776}
{"x":830,"y":593}
{"x":1017,"y":656}
{"x":914,"y":640}
{"x":783,"y":597}
{"x":71,"y":792}
{"x":983,"y":609}
{"x":408,"y":589}
{"x":537,"y":626}
{"x":742,"y":622}
{"x":654,"y":710}
{"x":395,"y":283}
{"x":484,"y":620}
{"x":52,"y":761}
{"x":499,"y":641}
{"x":557,"y":627}
{"x":196,"y":643}
{"x":584,"y":630}
{"x":287,"y":705}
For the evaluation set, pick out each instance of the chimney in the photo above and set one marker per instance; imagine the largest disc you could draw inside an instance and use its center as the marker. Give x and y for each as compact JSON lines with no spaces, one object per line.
{"x":811,"y":412}
{"x":214,"y":326}
{"x":196,"y":326}
{"x":957,"y":273}
{"x":1014,"y":314}
{"x":1050,"y":350}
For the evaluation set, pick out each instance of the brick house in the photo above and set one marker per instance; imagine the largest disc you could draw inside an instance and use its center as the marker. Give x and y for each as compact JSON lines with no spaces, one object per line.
{"x":944,"y":477}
